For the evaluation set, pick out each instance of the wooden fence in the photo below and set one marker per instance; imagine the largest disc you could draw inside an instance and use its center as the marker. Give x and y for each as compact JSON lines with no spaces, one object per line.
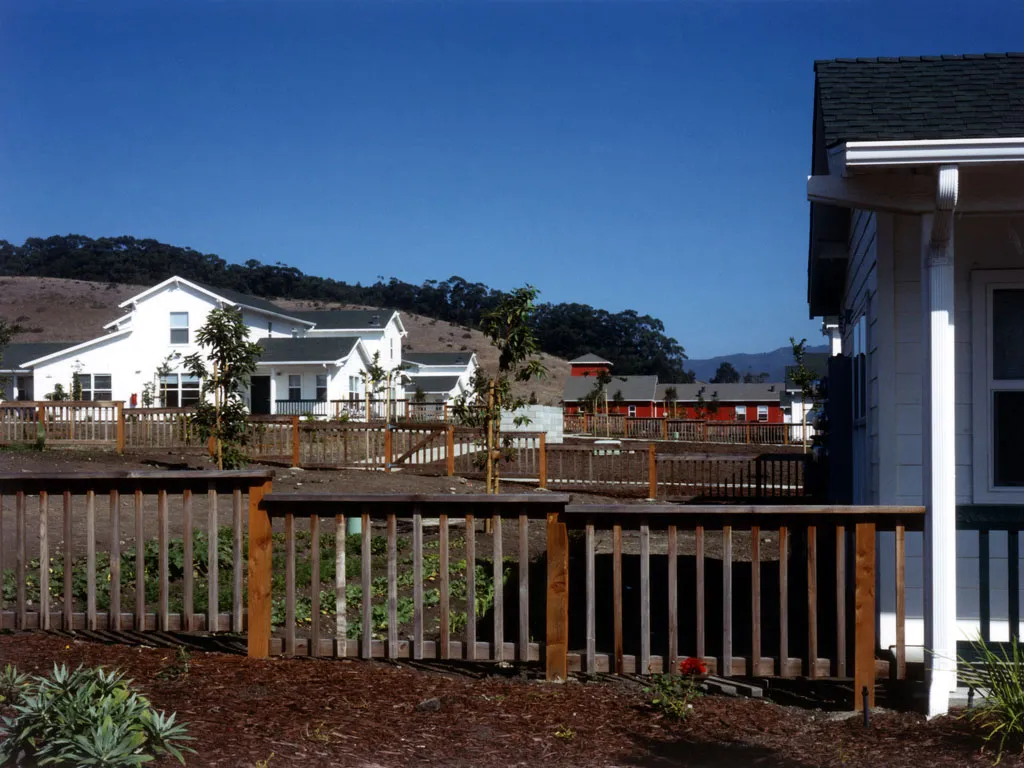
{"x":684,"y":430}
{"x":63,"y":423}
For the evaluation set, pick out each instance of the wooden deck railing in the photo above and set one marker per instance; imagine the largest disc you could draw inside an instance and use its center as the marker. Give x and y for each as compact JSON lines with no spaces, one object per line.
{"x":100,"y":582}
{"x":69,"y":423}
{"x":683,"y":430}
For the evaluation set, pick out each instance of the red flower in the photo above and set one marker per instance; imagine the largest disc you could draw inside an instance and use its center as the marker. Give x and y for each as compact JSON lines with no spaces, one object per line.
{"x":692,"y":666}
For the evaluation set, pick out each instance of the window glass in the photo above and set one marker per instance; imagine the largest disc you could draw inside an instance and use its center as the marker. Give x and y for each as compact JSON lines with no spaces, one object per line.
{"x":1008,"y":438}
{"x":98,"y":386}
{"x":179,"y":327}
{"x":632,"y":410}
{"x":169,"y":391}
{"x":85,"y":383}
{"x":189,"y":390}
{"x":294,"y":387}
{"x":321,"y":387}
{"x":741,"y":413}
{"x":762,"y":413}
{"x":1008,"y":334}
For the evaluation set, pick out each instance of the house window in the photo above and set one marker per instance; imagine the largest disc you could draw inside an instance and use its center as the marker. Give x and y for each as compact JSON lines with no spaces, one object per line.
{"x":859,"y":369}
{"x":353,"y":388}
{"x":631,"y":410}
{"x":179,"y":391}
{"x":321,"y":387}
{"x":95,"y":386}
{"x":741,"y":413}
{"x":179,"y":327}
{"x":762,"y":413}
{"x":294,"y":387}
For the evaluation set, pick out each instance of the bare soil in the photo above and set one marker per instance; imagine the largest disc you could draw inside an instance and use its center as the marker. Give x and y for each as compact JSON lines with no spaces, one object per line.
{"x":282,"y":712}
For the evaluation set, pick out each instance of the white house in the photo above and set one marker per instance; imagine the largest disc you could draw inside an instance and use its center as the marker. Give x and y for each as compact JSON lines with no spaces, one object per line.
{"x":440,"y":376}
{"x":917,"y":225}
{"x":309,"y":358}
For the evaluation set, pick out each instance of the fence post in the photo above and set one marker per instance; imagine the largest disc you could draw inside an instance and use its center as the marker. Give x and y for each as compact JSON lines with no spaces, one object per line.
{"x":652,"y":471}
{"x":41,"y":421}
{"x":543,"y":460}
{"x":260,"y":555}
{"x":748,"y":433}
{"x":120,"y":426}
{"x":864,"y":616}
{"x":704,"y":431}
{"x":664,"y":428}
{"x":556,"y":665}
{"x":387,"y":447}
{"x":450,"y":446}
{"x":295,"y":440}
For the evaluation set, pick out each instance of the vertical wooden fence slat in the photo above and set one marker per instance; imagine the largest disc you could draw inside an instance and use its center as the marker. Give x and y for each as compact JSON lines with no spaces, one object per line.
{"x":20,"y":535}
{"x":188,"y":586}
{"x":840,"y":665}
{"x":417,"y":584}
{"x":864,"y":615}
{"x":340,"y":596}
{"x":2,"y":545}
{"x":392,"y":586}
{"x":289,"y":585}
{"x":261,"y":551}
{"x":163,"y":617}
{"x":140,"y":564}
{"x":755,"y":599}
{"x":725,"y":668}
{"x":90,"y":560}
{"x":213,"y":587}
{"x":673,"y":601}
{"x":591,"y":602}
{"x":367,"y":587}
{"x":498,"y":610}
{"x":524,"y":585}
{"x":645,"y":599}
{"x":470,"y":587}
{"x":1013,"y":557}
{"x":984,"y":605}
{"x":557,"y":601}
{"x":445,"y":604}
{"x":44,"y":560}
{"x":115,"y":561}
{"x":236,"y":558}
{"x":69,"y":600}
{"x":812,"y":601}
{"x":783,"y":600}
{"x":699,"y":581}
{"x":314,"y":585}
{"x":901,"y":602}
{"x":617,"y":597}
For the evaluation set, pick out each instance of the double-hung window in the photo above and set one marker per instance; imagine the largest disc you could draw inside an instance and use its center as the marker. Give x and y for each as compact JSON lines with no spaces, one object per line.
{"x":997,"y":312}
{"x":96,"y":386}
{"x":353,"y":388}
{"x":741,"y":413}
{"x":179,"y":391}
{"x":631,"y":411}
{"x":294,"y":387}
{"x":179,"y":327}
{"x":762,"y":413}
{"x":321,"y":387}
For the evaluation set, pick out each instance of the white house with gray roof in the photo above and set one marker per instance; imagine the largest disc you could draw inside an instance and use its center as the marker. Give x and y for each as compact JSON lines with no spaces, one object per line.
{"x":440,"y":376}
{"x":309,"y":358}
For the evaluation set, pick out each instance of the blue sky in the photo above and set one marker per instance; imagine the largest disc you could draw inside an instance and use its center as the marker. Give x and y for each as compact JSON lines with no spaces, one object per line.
{"x":644,"y":155}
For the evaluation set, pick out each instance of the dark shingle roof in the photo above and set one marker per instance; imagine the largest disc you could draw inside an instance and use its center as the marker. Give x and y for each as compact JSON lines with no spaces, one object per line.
{"x":437,"y":358}
{"x":305,"y":350}
{"x":434,"y":384}
{"x":921,"y":97}
{"x":590,"y":357}
{"x":727,"y":393}
{"x":14,"y":355}
{"x":632,"y":388}
{"x":346,"y":319}
{"x":250,"y":301}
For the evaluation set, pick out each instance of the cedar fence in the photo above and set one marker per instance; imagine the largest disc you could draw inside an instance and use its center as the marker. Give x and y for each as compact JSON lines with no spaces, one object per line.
{"x":682,"y":430}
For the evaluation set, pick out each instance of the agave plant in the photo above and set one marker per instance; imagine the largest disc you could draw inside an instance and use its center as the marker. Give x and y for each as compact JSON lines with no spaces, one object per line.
{"x":999,"y":678}
{"x":89,"y":717}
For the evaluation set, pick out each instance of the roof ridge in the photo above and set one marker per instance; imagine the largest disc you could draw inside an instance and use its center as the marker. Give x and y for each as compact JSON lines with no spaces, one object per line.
{"x":922,"y":58}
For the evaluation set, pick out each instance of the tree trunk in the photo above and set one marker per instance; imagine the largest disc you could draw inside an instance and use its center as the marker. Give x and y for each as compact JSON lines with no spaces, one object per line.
{"x":217,"y":406}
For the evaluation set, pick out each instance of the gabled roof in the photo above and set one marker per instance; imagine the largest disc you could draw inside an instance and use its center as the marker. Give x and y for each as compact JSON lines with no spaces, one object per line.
{"x":432,"y":385}
{"x":726,"y":393}
{"x":75,"y":347}
{"x":921,"y":97}
{"x":347,"y":319}
{"x":315,"y":349}
{"x":589,"y":358}
{"x":632,"y":388}
{"x":14,"y":355}
{"x":438,"y":358}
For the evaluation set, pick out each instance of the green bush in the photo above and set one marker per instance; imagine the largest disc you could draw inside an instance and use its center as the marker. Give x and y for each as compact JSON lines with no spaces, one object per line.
{"x":673,"y":695}
{"x":87,"y":717}
{"x":999,"y":678}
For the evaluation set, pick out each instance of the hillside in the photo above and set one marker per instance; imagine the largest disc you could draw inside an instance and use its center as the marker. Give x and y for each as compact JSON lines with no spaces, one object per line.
{"x":54,"y":309}
{"x":773,"y":363}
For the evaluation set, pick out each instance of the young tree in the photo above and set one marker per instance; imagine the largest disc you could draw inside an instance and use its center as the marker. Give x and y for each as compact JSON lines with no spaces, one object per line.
{"x":726,"y":374}
{"x":224,"y":367}
{"x":509,"y":327}
{"x":806,"y":380}
{"x":671,"y":398}
{"x":6,"y":333}
{"x":377,"y":379}
{"x":706,"y":408}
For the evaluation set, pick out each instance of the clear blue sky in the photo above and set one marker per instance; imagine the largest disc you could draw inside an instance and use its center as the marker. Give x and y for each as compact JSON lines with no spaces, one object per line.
{"x":644,"y":155}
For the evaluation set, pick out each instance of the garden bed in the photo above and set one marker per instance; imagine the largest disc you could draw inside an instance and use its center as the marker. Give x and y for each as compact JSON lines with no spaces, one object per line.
{"x":356,"y":713}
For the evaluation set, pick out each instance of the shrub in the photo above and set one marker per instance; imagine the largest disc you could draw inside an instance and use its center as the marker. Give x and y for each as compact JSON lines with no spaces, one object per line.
{"x":87,"y":717}
{"x":673,"y":695}
{"x":999,"y":677}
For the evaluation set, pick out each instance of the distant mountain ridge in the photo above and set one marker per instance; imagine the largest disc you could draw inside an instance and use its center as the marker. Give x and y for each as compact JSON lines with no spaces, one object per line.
{"x":773,"y":363}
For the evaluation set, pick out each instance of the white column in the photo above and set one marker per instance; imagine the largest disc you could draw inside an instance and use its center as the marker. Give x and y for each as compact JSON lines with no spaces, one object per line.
{"x":939,"y":442}
{"x":273,"y":391}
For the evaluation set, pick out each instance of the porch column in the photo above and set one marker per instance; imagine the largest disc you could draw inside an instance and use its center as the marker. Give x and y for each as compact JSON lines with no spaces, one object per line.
{"x":273,"y":391}
{"x":939,"y":434}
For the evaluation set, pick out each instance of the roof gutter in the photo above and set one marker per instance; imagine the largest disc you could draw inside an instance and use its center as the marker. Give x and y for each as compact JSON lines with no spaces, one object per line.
{"x":880,"y":154}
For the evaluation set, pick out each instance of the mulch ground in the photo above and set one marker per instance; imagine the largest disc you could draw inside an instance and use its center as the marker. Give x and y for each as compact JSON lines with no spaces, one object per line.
{"x":355,"y":713}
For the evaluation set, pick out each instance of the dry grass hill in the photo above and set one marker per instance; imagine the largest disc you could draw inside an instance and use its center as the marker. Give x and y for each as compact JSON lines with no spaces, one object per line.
{"x":51,"y":309}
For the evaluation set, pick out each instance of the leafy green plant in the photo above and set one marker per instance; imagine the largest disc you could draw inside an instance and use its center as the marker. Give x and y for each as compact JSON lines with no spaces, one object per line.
{"x":673,"y":695}
{"x":999,"y":678}
{"x":565,"y":733}
{"x":87,"y":717}
{"x":11,"y":684}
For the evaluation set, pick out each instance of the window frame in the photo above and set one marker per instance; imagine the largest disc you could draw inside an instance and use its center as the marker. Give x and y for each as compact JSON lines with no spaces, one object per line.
{"x":178,"y":389}
{"x":292,"y":387}
{"x":737,"y":410}
{"x":91,"y":389}
{"x":323,"y":389}
{"x":631,"y":411}
{"x":762,"y":409}
{"x":186,"y":328}
{"x":984,"y":282}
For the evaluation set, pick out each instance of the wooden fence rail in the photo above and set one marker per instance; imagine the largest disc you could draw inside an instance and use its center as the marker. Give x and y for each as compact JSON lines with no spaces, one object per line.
{"x":683,"y":430}
{"x":63,"y":423}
